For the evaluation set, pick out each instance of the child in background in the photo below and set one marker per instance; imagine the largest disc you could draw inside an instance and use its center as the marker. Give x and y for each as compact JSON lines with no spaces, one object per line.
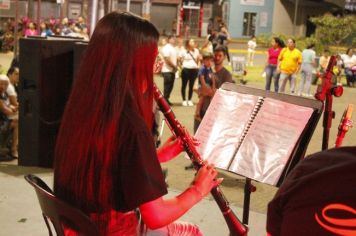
{"x":206,"y":80}
{"x":251,"y":47}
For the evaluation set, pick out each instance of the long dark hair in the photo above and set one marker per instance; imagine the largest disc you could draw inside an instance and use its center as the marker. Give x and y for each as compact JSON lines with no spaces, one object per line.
{"x":280,"y":42}
{"x":117,"y":64}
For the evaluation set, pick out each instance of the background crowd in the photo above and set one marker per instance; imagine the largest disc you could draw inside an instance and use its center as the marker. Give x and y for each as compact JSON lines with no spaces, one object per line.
{"x":196,"y":65}
{"x":47,"y":27}
{"x":285,"y":62}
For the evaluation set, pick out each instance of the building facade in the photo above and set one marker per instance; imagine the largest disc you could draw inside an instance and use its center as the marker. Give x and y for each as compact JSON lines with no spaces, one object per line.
{"x":289,"y":17}
{"x":244,"y":18}
{"x":250,"y":17}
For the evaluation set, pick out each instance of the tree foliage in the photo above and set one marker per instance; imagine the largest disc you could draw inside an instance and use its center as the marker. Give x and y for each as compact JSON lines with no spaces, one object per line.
{"x":334,"y":29}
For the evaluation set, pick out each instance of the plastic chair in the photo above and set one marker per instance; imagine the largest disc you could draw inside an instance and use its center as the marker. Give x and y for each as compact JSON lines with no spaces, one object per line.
{"x":59,"y":212}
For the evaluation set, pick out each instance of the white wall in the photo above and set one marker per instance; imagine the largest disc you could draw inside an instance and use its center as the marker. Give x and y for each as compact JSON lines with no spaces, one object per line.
{"x":283,"y":17}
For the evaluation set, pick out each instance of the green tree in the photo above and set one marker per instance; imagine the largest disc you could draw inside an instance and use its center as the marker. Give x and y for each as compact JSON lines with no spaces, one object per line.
{"x":334,"y":30}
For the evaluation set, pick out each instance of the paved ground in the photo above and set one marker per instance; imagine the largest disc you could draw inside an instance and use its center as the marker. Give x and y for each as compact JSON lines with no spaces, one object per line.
{"x":19,"y":210}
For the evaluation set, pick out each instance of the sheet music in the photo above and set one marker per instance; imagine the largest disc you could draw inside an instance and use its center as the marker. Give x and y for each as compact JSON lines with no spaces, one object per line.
{"x":270,"y":141}
{"x":220,"y":130}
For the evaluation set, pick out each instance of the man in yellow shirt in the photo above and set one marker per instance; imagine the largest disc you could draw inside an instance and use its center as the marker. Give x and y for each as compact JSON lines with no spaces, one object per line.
{"x":289,"y":61}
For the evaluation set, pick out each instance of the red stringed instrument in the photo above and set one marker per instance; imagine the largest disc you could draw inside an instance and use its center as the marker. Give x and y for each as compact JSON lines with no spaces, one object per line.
{"x":345,"y":125}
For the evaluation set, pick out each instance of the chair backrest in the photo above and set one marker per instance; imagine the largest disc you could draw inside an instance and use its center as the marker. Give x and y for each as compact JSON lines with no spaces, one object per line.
{"x":59,"y":212}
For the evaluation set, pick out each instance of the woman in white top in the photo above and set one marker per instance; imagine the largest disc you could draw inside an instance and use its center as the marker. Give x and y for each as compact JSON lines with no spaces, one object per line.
{"x":350,"y":67}
{"x":190,"y":63}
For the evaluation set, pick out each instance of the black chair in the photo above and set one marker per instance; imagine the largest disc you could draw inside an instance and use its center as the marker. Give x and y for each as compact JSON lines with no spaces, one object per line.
{"x":59,"y":212}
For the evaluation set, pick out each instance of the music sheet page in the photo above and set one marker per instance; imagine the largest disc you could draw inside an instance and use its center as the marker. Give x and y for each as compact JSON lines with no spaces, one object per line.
{"x":223,"y":123}
{"x":270,"y":141}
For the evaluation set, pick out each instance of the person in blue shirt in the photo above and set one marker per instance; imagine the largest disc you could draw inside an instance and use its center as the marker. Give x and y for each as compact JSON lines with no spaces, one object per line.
{"x":206,"y":80}
{"x":45,"y":30}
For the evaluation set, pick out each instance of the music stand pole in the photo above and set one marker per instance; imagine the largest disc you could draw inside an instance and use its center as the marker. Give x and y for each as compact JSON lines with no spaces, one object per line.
{"x":247,"y":195}
{"x":249,"y":187}
{"x":329,"y":115}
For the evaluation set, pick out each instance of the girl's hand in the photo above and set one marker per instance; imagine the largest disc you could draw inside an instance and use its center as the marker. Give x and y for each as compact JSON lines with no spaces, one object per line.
{"x":205,"y":179}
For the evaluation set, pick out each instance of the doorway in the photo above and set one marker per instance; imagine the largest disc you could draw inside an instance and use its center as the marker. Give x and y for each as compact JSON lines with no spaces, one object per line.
{"x":190,"y":22}
{"x":249,"y":24}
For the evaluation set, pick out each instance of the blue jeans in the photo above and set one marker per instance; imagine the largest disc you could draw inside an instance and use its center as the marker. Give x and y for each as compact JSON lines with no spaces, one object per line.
{"x":306,"y":78}
{"x":283,"y":81}
{"x":271,"y":72}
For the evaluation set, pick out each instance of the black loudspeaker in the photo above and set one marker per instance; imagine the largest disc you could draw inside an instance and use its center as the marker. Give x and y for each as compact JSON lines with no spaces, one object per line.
{"x":46,"y":76}
{"x":79,"y":49}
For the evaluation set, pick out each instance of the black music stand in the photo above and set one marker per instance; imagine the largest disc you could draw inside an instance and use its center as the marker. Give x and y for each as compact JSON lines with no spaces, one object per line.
{"x":302,"y":144}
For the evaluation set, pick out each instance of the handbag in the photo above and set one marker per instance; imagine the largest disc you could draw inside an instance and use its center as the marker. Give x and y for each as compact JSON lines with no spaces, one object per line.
{"x":193,"y":58}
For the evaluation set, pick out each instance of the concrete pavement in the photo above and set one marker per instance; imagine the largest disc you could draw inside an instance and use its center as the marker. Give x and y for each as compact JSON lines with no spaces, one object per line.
{"x":20,"y":212}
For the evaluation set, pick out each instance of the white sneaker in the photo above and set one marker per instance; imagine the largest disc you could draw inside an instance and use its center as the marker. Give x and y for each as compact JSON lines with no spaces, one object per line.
{"x":184,"y":103}
{"x":190,"y":103}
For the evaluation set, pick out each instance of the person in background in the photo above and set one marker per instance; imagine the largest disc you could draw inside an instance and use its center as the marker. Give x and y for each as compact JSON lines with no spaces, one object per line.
{"x":224,"y":39}
{"x":339,"y":67}
{"x":207,"y":46}
{"x":221,"y":75}
{"x":31,"y":30}
{"x":13,"y":75}
{"x":324,"y":61}
{"x":170,"y":66}
{"x":84,"y":34}
{"x":157,"y":69}
{"x":81,"y":23}
{"x":11,"y":91}
{"x":272,"y":62}
{"x":108,"y":168}
{"x":57,"y":29}
{"x":251,"y":49}
{"x":206,"y":82}
{"x":289,"y":63}
{"x":307,"y":68}
{"x":180,"y":48}
{"x":323,"y":64}
{"x":190,"y":58}
{"x":45,"y":30}
{"x":316,"y":198}
{"x":349,"y":60}
{"x":8,"y":115}
{"x":213,"y":38}
{"x":66,"y":30}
